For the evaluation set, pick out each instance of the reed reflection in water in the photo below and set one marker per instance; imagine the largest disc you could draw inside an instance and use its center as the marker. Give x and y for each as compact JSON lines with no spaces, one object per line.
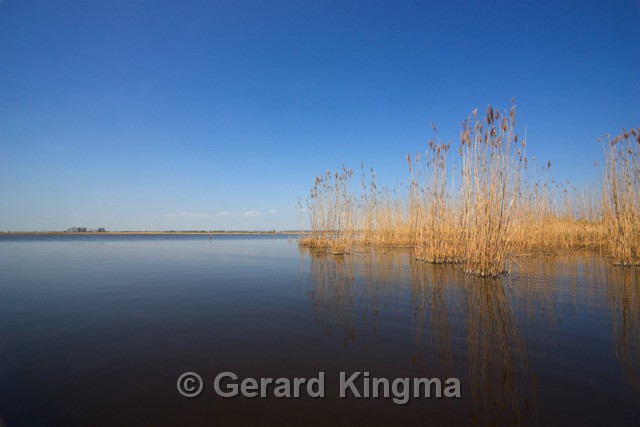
{"x":588,"y":282}
{"x":492,"y":334}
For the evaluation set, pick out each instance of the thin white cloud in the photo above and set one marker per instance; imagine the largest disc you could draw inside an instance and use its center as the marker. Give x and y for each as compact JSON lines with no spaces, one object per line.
{"x":273,"y":211}
{"x":190,"y":215}
{"x":245,"y":213}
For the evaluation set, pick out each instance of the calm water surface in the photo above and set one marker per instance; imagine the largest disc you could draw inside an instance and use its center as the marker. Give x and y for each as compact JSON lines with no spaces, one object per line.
{"x":95,"y":330}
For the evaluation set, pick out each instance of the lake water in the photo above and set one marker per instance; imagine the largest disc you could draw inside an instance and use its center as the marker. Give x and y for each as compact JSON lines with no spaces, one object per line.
{"x":96,"y":330}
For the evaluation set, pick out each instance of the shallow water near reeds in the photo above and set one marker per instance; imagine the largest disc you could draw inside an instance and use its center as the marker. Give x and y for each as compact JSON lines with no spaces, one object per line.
{"x":96,"y":330}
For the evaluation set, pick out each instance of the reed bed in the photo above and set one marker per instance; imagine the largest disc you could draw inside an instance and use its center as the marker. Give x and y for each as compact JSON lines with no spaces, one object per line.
{"x":621,"y":196}
{"x":482,"y":204}
{"x":435,"y":220}
{"x":492,"y":164}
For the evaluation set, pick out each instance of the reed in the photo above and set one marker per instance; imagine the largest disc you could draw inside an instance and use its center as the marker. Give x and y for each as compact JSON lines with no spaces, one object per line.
{"x":330,"y":208}
{"x":492,"y":161}
{"x":483,"y":205}
{"x":435,"y":221}
{"x":621,"y":196}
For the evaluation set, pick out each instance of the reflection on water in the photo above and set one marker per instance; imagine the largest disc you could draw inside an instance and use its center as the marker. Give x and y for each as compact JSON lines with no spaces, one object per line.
{"x":489,"y":333}
{"x":624,"y":303}
{"x":338,"y":297}
{"x":587,"y":282}
{"x":96,"y":330}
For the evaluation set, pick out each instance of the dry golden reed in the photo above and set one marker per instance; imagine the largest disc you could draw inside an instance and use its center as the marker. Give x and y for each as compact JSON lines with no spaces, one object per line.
{"x":492,"y":164}
{"x":621,"y":196}
{"x":482,"y":204}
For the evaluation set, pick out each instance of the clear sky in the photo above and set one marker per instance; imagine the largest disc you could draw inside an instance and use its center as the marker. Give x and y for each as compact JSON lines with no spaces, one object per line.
{"x":155,"y":115}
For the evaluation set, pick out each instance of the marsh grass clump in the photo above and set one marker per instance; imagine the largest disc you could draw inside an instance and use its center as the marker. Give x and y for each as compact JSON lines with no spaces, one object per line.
{"x":483,"y":206}
{"x":381,"y":214}
{"x":433,"y":215}
{"x":492,"y":162}
{"x":621,"y":196}
{"x":330,"y":208}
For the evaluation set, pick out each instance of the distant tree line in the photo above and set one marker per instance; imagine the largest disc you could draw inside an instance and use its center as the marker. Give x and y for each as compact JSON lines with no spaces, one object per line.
{"x":85,"y":229}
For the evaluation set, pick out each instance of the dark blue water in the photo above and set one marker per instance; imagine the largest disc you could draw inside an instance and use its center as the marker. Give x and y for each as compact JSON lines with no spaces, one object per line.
{"x":96,"y":330}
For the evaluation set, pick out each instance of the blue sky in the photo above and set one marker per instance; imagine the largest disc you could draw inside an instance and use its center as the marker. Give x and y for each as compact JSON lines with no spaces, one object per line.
{"x":154,"y":115}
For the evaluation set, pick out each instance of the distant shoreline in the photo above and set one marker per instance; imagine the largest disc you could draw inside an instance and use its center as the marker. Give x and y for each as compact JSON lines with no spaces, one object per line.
{"x":104,"y":233}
